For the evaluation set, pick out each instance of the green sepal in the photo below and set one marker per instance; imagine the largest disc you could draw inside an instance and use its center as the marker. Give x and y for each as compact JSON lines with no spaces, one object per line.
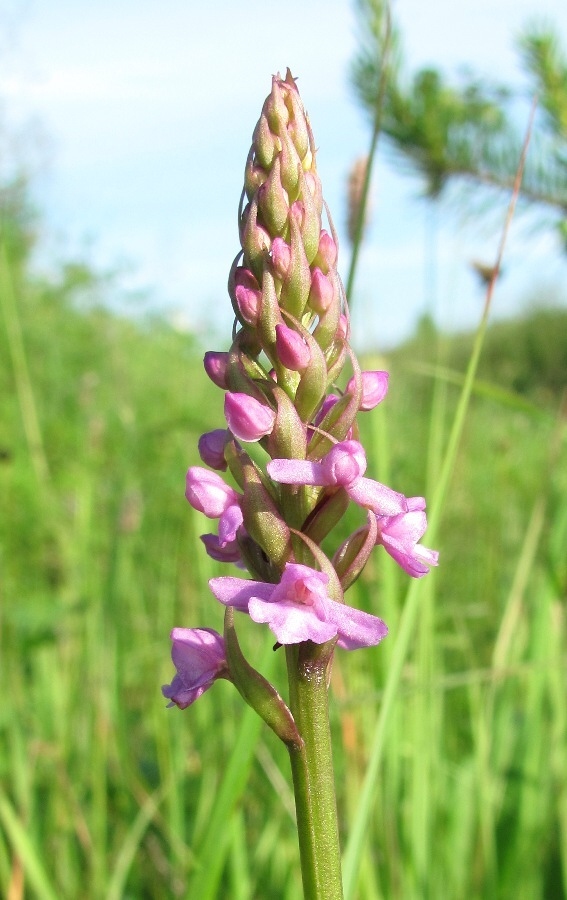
{"x":254,"y":239}
{"x":290,"y":166}
{"x":328,"y":512}
{"x":298,"y":126}
{"x":265,"y":144}
{"x":273,"y":201}
{"x":311,"y":224}
{"x":336,"y":360}
{"x":275,"y":109}
{"x":297,"y":284}
{"x":243,"y":372}
{"x":257,"y":691}
{"x":340,"y":418}
{"x":313,"y":384}
{"x":262,"y":519}
{"x":270,"y":315}
{"x":288,"y":439}
{"x":352,"y":556}
{"x":328,"y":323}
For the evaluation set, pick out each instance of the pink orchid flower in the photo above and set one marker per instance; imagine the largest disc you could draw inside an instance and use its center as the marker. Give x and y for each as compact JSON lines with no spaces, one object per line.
{"x":299,"y":609}
{"x":198,"y":654}
{"x":208,"y":493}
{"x":399,"y":535}
{"x":343,"y":466}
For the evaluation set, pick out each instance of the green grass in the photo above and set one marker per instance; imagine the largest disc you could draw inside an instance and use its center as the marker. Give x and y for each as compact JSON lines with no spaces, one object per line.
{"x":105,"y":793}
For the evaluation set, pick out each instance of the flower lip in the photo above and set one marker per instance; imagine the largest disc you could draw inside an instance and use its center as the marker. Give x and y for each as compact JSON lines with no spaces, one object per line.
{"x":300,"y":609}
{"x":399,"y":535}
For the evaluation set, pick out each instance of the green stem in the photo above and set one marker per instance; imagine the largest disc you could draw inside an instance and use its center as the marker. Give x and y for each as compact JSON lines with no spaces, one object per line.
{"x":313,"y":778}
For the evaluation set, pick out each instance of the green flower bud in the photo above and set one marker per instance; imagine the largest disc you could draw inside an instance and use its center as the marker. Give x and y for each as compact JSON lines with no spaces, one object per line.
{"x":297,"y":281}
{"x":254,"y":238}
{"x":266,"y":144}
{"x":273,"y":201}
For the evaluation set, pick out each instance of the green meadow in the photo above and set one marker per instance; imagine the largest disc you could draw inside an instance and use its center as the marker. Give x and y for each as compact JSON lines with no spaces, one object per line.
{"x":450,"y":739}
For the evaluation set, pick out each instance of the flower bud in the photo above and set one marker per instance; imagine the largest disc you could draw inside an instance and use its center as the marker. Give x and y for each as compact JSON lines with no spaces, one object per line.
{"x":249,"y":303}
{"x":306,"y":216}
{"x":215,"y":363}
{"x":247,"y":418}
{"x":273,"y":201}
{"x":266,"y":144}
{"x":275,"y":108}
{"x":295,"y":287}
{"x":326,"y":257}
{"x":290,"y":166}
{"x":298,"y":124}
{"x":292,"y":350}
{"x":281,"y":257}
{"x":374,"y":388}
{"x":208,"y":493}
{"x":254,"y":177}
{"x":342,"y":329}
{"x":322,"y":292}
{"x":312,"y":183}
{"x":254,"y":238}
{"x":211,"y":448}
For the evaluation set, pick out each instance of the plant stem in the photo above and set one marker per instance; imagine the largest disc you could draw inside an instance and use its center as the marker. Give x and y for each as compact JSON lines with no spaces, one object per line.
{"x":313,"y":778}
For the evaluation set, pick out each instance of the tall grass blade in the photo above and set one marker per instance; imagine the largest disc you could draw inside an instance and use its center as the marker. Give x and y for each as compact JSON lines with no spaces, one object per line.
{"x":359,"y":827}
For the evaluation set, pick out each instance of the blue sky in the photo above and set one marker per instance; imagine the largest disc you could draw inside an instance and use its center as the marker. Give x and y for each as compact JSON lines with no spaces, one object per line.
{"x":147,"y":111}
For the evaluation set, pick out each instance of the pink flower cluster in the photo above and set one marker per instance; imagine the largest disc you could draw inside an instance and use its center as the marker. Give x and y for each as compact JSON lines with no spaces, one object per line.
{"x":290,"y":345}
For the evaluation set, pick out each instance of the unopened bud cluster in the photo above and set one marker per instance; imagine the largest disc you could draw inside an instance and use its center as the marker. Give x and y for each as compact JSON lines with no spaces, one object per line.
{"x":290,"y":345}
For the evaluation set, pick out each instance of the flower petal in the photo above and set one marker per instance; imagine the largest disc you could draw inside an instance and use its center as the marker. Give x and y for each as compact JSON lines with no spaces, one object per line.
{"x":355,"y":627}
{"x":229,"y":523}
{"x":296,"y":471}
{"x":199,"y":657}
{"x":292,"y":622}
{"x":380,"y":499}
{"x":236,"y":592}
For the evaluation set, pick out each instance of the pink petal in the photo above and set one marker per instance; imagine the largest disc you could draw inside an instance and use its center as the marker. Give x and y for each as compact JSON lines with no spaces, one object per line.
{"x":199,"y":658}
{"x":229,"y":523}
{"x":292,"y":622}
{"x":380,"y":499}
{"x":296,"y":471}
{"x":237,"y":592}
{"x":355,"y":627}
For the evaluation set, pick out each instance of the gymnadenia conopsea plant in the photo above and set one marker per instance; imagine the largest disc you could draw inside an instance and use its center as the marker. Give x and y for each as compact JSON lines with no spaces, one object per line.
{"x":290,"y":347}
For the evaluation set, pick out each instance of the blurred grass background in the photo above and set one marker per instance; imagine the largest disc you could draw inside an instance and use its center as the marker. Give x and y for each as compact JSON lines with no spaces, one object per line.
{"x":104,"y":792}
